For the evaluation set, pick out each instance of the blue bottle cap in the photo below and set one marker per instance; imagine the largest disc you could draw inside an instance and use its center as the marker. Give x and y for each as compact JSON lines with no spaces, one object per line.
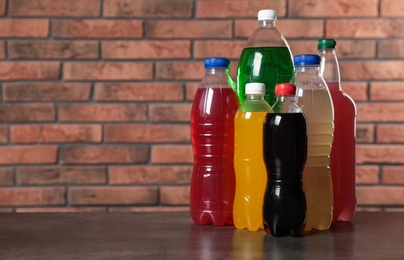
{"x":307,"y":59}
{"x":216,"y":62}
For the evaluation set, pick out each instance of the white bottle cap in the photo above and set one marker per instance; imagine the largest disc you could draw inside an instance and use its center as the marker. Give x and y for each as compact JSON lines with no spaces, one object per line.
{"x":255,"y":88}
{"x":267,"y":14}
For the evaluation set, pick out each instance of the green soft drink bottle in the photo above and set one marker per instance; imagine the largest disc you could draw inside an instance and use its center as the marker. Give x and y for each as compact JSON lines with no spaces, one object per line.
{"x":266,"y":58}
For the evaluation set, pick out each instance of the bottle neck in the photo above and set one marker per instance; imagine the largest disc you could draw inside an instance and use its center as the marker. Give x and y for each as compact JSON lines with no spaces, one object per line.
{"x":286,"y":104}
{"x":253,"y":97}
{"x":329,"y":67}
{"x":267,"y":23}
{"x":217,"y":71}
{"x":311,"y":69}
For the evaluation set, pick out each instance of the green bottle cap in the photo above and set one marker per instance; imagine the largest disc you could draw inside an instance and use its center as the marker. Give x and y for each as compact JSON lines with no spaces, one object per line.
{"x":326,"y":44}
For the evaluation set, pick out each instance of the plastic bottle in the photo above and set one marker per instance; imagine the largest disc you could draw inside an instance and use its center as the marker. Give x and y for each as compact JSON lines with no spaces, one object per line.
{"x":285,"y":153}
{"x":249,"y":165}
{"x":212,"y":131}
{"x":266,"y":58}
{"x":343,"y":147}
{"x":315,"y":101}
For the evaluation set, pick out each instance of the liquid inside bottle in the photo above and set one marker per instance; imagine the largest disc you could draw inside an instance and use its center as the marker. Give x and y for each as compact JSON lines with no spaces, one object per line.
{"x":314,"y":99}
{"x":269,"y":65}
{"x":212,"y":130}
{"x":249,"y":165}
{"x":285,"y":153}
{"x":342,"y":161}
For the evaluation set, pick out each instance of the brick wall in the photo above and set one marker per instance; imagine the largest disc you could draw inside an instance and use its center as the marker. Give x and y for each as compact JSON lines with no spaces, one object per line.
{"x":96,"y":94}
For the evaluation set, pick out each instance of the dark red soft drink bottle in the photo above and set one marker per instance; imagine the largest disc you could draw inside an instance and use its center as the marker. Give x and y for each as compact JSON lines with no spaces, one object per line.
{"x":285,"y":154}
{"x":342,"y":157}
{"x":212,"y":130}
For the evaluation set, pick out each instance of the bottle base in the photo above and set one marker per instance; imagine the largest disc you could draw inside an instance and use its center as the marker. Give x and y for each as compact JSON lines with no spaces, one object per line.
{"x":217,"y":219}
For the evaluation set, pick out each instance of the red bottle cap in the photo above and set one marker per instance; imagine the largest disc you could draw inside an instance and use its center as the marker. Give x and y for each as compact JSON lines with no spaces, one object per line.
{"x":285,"y":89}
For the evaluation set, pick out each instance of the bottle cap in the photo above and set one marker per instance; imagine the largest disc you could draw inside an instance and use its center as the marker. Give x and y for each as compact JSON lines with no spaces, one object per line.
{"x":216,"y":62}
{"x":307,"y":59}
{"x":267,"y":14}
{"x":285,"y":89}
{"x":255,"y":88}
{"x":326,"y":44}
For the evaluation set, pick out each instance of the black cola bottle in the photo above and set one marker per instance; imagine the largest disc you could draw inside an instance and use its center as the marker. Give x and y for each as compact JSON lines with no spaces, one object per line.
{"x":285,"y":153}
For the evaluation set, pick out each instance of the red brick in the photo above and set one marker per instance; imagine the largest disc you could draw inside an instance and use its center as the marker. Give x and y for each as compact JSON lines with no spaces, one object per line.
{"x":148,"y":9}
{"x":364,"y":28}
{"x":139,"y":91}
{"x":170,"y":112}
{"x":386,"y":196}
{"x":56,"y":133}
{"x":3,"y":7}
{"x":372,"y":70}
{"x":365,"y":133}
{"x":357,"y":90}
{"x":391,"y":49}
{"x":382,"y":112}
{"x":172,"y":154}
{"x":389,"y":133}
{"x":32,"y":196}
{"x":51,"y":175}
{"x":230,"y":49}
{"x":147,"y":133}
{"x":91,"y":154}
{"x":367,"y":174}
{"x":191,"y":89}
{"x":102,"y":113}
{"x":53,"y":49}
{"x":180,"y":70}
{"x":6,"y":210}
{"x":242,"y":8}
{"x":32,"y":70}
{"x":146,"y":50}
{"x":103,"y":29}
{"x":108,"y":71}
{"x":2,"y":50}
{"x":28,"y":154}
{"x":3,"y":134}
{"x":46,"y":91}
{"x":27,"y":113}
{"x":289,"y":28}
{"x":61,"y":210}
{"x":221,"y":29}
{"x":177,"y":195}
{"x":150,"y":174}
{"x":24,"y":28}
{"x":383,"y":154}
{"x":356,"y":49}
{"x":6,"y":177}
{"x":55,"y":8}
{"x":149,"y":209}
{"x":391,"y":8}
{"x":393,"y":175}
{"x":302,"y":46}
{"x":112,"y":195}
{"x":387,"y":91}
{"x":333,"y":8}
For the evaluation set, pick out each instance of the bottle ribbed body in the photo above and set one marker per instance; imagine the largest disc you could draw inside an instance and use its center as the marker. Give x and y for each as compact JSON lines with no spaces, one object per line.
{"x":212,"y":131}
{"x":315,"y":101}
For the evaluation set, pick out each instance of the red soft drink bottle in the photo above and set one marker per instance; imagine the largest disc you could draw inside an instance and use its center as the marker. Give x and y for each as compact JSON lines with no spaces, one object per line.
{"x":212,"y":130}
{"x":342,"y":158}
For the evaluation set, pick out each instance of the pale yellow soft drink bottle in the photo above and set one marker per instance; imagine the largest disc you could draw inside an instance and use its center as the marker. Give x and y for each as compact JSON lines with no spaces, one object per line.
{"x":314,"y":99}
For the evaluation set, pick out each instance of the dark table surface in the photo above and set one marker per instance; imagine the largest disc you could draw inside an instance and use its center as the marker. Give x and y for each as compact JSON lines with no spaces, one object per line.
{"x":371,"y":235}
